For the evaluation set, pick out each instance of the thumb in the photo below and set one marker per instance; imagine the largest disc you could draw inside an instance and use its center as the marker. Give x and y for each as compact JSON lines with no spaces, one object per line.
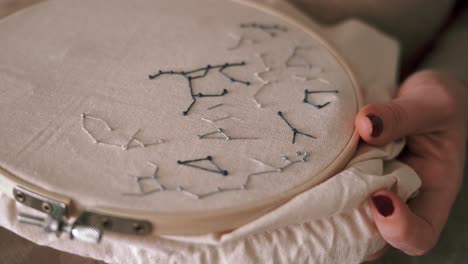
{"x":422,"y":105}
{"x":399,"y":226}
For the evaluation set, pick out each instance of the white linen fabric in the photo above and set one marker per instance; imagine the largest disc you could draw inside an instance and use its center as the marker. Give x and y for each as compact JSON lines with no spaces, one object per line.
{"x":329,"y":223}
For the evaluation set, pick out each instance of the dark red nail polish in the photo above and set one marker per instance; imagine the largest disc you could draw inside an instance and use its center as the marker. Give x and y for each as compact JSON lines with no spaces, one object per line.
{"x":383,"y":204}
{"x":377,"y":125}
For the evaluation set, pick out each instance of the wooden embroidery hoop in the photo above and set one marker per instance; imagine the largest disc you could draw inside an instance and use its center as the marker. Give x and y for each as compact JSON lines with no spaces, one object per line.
{"x":205,"y":222}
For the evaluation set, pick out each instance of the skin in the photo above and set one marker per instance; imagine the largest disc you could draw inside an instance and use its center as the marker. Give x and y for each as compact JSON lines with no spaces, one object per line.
{"x":430,"y":111}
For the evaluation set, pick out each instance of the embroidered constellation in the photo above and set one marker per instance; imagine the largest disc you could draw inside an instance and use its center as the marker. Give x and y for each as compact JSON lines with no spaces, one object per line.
{"x":216,"y":120}
{"x":300,"y":157}
{"x":221,"y":190}
{"x":294,"y":130}
{"x":217,"y":169}
{"x":239,"y":40}
{"x":215,"y":106}
{"x":203,"y":73}
{"x":223,"y":135}
{"x":270,"y":29}
{"x":123,"y":146}
{"x":318,"y":106}
{"x":293,"y":59}
{"x":164,"y":188}
{"x":264,"y":82}
{"x":307,"y":78}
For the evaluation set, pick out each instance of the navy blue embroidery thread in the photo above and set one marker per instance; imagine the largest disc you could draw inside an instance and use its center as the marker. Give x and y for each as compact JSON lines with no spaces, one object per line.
{"x":318,"y":106}
{"x":178,"y":188}
{"x":204,"y":71}
{"x":270,"y":29}
{"x":215,"y":106}
{"x":161,"y":188}
{"x":294,"y":130}
{"x":217,"y":169}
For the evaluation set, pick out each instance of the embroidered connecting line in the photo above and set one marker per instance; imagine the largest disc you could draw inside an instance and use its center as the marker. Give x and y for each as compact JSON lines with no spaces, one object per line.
{"x":258,"y":104}
{"x":270,"y":29}
{"x":214,"y":106}
{"x":259,"y":77}
{"x":264,"y":82}
{"x":239,"y":40}
{"x":224,"y":136}
{"x":294,"y":130}
{"x":262,"y":56}
{"x":122,"y":146}
{"x":87,"y":132}
{"x":219,"y":131}
{"x":318,"y":106}
{"x":161,"y":188}
{"x":180,"y":189}
{"x":132,"y":138}
{"x":140,"y":179}
{"x":306,"y":79}
{"x":300,"y":157}
{"x":187,"y":192}
{"x":97,"y":119}
{"x":90,"y":135}
{"x":203,"y":73}
{"x":222,"y":190}
{"x":84,"y":129}
{"x":217,"y":169}
{"x":216,"y":120}
{"x":295,"y":56}
{"x":267,"y":69}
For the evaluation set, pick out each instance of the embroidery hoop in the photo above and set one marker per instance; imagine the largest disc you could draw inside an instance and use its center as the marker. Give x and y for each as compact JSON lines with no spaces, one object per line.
{"x":218,"y":220}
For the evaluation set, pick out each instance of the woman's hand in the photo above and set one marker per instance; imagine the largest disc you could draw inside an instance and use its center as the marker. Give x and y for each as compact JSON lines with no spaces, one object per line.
{"x":431,"y":112}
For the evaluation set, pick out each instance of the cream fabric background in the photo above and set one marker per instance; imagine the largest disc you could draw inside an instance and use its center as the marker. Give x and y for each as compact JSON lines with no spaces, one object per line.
{"x":290,"y":234}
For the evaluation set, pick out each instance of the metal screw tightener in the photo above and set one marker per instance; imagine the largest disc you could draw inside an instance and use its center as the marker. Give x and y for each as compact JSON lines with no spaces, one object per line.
{"x":46,"y":207}
{"x":50,"y":225}
{"x":19,"y":196}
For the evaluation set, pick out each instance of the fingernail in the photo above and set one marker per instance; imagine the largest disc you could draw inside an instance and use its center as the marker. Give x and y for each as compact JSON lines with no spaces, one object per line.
{"x":377,"y":125}
{"x":383,"y":204}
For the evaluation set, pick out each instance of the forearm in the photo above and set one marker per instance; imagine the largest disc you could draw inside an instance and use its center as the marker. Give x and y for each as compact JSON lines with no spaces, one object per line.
{"x":450,"y":51}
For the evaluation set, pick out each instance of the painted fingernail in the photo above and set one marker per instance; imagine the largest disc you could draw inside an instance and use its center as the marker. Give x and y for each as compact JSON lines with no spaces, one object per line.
{"x":377,"y":125}
{"x":383,"y":204}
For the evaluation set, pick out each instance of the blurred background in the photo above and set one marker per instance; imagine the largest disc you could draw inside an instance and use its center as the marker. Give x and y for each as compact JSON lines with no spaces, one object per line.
{"x":451,"y":249}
